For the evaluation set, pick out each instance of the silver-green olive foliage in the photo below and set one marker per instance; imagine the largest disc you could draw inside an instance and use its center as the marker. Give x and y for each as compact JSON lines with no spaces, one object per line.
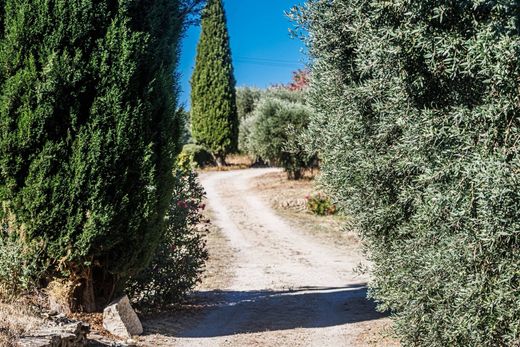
{"x":416,"y":123}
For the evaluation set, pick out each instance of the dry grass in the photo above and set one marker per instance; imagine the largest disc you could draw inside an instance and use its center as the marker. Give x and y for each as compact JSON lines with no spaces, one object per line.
{"x":16,"y":319}
{"x":379,"y":334}
{"x":288,"y":199}
{"x":243,"y":161}
{"x":234,"y":162}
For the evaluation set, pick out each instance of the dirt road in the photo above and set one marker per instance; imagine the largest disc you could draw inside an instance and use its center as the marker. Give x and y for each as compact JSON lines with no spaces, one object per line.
{"x":287,"y":288}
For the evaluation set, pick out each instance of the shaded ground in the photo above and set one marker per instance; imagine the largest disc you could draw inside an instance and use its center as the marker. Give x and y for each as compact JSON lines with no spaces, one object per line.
{"x":271,"y":281}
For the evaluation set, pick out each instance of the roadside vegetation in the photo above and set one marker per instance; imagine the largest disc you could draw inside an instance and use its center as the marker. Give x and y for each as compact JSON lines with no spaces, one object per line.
{"x":402,"y":135}
{"x":179,"y":259}
{"x":89,"y":135}
{"x":271,"y":122}
{"x":290,"y":199}
{"x":416,"y":125}
{"x":269,"y":133}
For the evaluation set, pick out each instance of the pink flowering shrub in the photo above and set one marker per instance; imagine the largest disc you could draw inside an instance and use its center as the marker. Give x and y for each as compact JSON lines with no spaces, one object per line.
{"x":176,"y":267}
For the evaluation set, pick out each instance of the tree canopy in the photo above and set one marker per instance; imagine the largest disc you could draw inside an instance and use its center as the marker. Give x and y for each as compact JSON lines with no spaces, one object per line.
{"x":213,"y":97}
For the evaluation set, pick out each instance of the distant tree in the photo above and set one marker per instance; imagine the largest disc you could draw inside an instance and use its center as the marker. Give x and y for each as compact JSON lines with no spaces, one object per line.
{"x":271,"y":133}
{"x":247,"y":98}
{"x":213,"y":97}
{"x":185,"y":126}
{"x":88,"y":135}
{"x":300,"y":80}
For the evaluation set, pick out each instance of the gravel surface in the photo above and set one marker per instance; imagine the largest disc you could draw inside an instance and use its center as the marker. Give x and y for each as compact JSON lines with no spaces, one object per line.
{"x":284,"y":287}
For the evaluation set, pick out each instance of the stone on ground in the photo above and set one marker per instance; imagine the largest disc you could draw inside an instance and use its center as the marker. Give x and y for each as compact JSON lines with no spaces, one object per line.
{"x":70,"y":334}
{"x":120,"y":319}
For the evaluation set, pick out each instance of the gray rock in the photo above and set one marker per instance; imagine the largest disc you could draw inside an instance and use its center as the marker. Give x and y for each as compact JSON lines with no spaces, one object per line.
{"x":73,"y":334}
{"x":120,"y":319}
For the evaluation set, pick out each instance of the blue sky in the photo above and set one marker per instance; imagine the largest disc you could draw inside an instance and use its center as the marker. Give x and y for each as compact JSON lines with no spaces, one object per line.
{"x":263,"y":51}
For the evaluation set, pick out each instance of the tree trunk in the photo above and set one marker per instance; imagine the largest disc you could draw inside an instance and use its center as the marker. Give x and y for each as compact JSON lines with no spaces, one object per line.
{"x":87,"y":302}
{"x":95,"y":291}
{"x":220,"y":160}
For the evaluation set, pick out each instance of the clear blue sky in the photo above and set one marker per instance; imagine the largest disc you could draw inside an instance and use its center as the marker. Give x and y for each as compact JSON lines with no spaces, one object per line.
{"x":263,"y":51}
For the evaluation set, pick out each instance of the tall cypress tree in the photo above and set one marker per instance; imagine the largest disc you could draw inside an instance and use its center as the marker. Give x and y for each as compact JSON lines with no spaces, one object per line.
{"x":213,"y":96}
{"x":88,"y":134}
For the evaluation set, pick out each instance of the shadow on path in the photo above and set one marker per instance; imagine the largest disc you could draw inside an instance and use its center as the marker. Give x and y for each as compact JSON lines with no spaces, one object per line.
{"x":240,"y":312}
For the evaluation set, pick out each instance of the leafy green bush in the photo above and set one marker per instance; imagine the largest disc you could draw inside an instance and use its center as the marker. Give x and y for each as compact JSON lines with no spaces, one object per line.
{"x":88,"y":133}
{"x":19,"y":268}
{"x":274,"y":125}
{"x":194,"y":157}
{"x":417,"y":130}
{"x":244,"y":133}
{"x":247,"y":98}
{"x":320,"y":204}
{"x":180,"y":257}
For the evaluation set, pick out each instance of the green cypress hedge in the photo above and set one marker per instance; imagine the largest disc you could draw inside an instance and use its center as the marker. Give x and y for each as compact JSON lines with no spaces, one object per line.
{"x":88,"y":134}
{"x":214,"y":117}
{"x":417,"y":129}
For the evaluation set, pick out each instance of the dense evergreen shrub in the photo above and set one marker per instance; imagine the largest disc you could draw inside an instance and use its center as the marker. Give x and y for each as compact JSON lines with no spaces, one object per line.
{"x":417,"y":128}
{"x":213,"y":97}
{"x":194,"y":157}
{"x":178,"y":262}
{"x":88,"y":134}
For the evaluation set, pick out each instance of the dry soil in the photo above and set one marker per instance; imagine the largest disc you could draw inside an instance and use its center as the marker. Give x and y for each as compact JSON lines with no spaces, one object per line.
{"x":270,"y":283}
